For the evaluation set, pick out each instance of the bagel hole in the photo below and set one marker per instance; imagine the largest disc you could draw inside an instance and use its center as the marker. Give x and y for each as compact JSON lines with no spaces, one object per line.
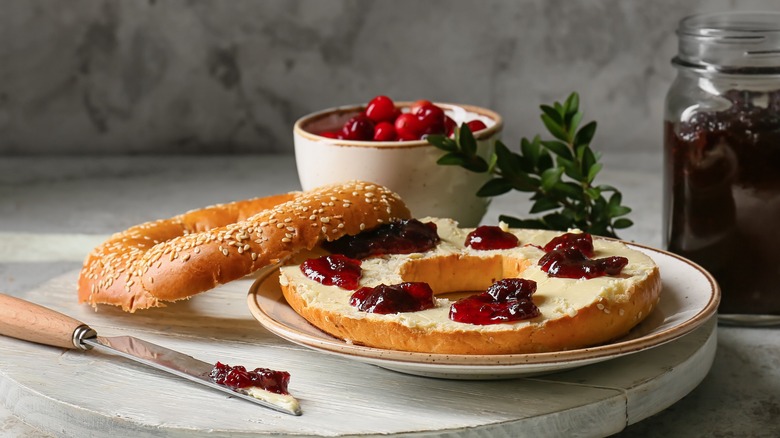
{"x":456,"y":276}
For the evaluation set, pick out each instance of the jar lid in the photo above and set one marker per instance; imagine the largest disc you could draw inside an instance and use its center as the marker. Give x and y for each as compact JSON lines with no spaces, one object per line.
{"x":730,"y":43}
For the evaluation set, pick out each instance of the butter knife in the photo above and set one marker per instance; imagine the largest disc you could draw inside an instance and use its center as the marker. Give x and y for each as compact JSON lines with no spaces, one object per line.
{"x":31,"y":322}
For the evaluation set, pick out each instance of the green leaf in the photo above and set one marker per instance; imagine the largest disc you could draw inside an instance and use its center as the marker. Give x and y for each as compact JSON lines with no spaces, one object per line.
{"x":476,"y":164}
{"x":452,"y":159}
{"x":558,"y":221}
{"x":442,"y":142}
{"x":559,"y":149}
{"x":552,"y":114}
{"x":619,"y":210}
{"x":555,"y":129}
{"x":585,"y":134}
{"x":570,"y":168}
{"x":550,"y":177}
{"x":505,"y":160}
{"x":545,"y":161}
{"x":572,"y":105}
{"x":544,"y":204}
{"x":570,"y":190}
{"x":615,"y":199}
{"x":593,"y":171}
{"x":466,"y":140}
{"x":524,"y":182}
{"x":531,"y":149}
{"x":494,"y":187}
{"x":622,"y":223}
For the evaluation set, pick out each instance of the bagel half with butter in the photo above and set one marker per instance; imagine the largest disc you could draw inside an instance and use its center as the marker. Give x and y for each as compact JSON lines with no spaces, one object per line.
{"x":574,"y":313}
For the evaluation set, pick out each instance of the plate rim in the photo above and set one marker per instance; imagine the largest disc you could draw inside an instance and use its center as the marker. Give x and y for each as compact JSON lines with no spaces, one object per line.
{"x":575,"y":357}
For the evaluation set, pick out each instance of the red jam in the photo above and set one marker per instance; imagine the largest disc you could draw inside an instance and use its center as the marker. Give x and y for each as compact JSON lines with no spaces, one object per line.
{"x":580,"y":241}
{"x":238,"y":377}
{"x":396,"y":298}
{"x":572,"y":263}
{"x":506,"y":300}
{"x":333,"y":270}
{"x":491,"y":237}
{"x":401,"y":237}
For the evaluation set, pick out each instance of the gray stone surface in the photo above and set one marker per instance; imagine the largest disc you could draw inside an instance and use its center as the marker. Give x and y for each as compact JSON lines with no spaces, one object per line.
{"x":202,"y":76}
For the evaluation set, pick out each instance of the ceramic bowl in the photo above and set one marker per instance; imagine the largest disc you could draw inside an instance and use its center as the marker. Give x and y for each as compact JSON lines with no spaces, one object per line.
{"x":407,"y":167}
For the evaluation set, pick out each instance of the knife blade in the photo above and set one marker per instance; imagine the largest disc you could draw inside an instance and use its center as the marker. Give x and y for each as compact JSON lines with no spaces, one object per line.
{"x":31,"y":322}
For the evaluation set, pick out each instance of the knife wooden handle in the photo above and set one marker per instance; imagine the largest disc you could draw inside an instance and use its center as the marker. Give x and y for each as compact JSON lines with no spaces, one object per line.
{"x":30,"y":322}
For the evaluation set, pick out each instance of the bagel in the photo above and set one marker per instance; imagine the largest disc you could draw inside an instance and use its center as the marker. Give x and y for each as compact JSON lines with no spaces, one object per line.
{"x":574,"y":313}
{"x":173,"y":259}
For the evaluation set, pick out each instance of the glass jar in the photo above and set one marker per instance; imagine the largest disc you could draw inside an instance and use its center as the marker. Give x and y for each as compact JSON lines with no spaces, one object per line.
{"x":722,"y":157}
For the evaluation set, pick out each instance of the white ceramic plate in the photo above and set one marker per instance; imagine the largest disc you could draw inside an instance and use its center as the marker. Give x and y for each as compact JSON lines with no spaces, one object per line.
{"x":689,"y":297}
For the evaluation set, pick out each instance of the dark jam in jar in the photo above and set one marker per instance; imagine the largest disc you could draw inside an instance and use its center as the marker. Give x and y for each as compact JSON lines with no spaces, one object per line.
{"x":722,"y":202}
{"x":722,"y":157}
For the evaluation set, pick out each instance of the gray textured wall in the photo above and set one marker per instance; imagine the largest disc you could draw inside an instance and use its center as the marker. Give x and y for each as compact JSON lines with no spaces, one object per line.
{"x":199,"y":76}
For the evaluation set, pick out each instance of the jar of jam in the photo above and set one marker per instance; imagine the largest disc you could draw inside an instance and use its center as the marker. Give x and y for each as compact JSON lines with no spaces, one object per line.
{"x":722,"y":158}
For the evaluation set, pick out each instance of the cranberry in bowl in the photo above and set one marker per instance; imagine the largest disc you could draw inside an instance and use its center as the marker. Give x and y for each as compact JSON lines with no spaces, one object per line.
{"x":383,"y":141}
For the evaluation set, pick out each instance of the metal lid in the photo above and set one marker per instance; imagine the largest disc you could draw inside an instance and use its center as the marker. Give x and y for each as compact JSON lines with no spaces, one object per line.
{"x":730,"y":43}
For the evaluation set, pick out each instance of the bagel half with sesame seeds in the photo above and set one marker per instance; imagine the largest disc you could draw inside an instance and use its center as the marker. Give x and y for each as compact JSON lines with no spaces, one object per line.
{"x":173,"y":259}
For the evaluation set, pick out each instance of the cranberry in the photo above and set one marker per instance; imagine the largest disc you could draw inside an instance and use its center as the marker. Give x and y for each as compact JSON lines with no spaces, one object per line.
{"x":491,"y":237}
{"x":381,"y":109}
{"x":333,"y":270}
{"x":505,"y":301}
{"x":419,"y":104}
{"x":580,"y":241}
{"x":400,"y":237}
{"x":431,"y":119}
{"x":238,"y":377}
{"x":572,"y":263}
{"x":396,"y":298}
{"x":476,"y":125}
{"x":359,"y":128}
{"x":385,"y":131}
{"x":330,"y":134}
{"x":408,"y":127}
{"x":449,"y":126}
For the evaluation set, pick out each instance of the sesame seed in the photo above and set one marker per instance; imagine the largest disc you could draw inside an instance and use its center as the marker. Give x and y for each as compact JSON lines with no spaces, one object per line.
{"x":288,"y":220}
{"x":369,"y":195}
{"x":225,"y":252}
{"x":240,"y":250}
{"x":313,"y":217}
{"x":254,"y":256}
{"x":325,"y":220}
{"x":246,"y":247}
{"x":286,"y":239}
{"x":290,"y":228}
{"x":186,"y":257}
{"x":279,"y":225}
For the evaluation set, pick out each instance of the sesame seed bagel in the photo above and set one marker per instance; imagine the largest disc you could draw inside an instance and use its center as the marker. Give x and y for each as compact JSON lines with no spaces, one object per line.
{"x":575,"y":313}
{"x":176,"y":258}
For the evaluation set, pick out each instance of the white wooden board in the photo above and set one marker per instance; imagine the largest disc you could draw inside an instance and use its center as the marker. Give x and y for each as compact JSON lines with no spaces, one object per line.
{"x":87,"y":394}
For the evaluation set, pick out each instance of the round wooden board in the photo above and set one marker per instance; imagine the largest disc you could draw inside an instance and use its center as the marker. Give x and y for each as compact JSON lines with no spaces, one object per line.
{"x":88,"y":394}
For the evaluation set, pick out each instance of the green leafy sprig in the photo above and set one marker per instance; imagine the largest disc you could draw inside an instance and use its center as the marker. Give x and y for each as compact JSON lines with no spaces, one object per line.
{"x":559,"y":173}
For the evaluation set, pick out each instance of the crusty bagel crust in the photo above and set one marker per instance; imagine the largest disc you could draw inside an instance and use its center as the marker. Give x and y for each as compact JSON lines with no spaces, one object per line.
{"x":604,"y":317}
{"x":173,"y":259}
